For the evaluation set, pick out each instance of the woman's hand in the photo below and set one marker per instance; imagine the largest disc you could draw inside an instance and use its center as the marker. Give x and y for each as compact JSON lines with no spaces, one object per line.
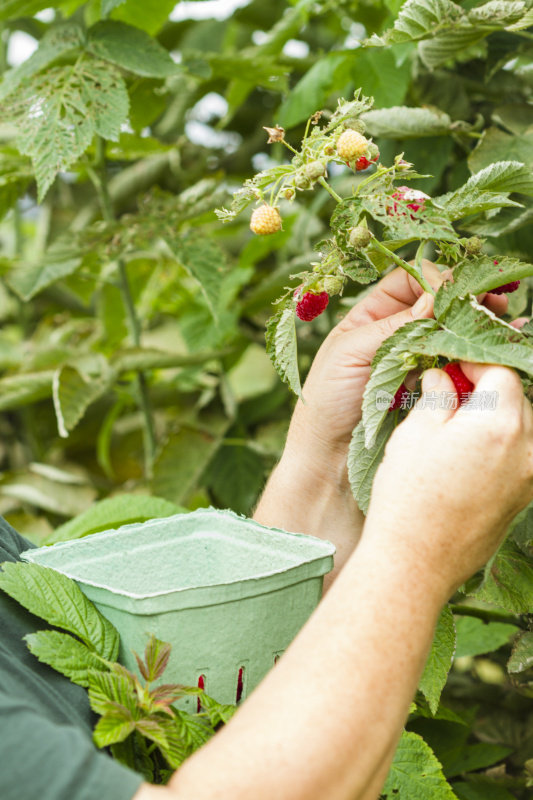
{"x":452,"y":480}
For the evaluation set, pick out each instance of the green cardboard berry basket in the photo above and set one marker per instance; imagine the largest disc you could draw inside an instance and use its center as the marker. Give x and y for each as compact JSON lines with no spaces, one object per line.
{"x":227,"y":593}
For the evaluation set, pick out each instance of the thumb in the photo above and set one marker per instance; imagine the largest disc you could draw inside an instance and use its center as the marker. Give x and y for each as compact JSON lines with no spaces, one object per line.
{"x":439,"y":398}
{"x":372,"y":335}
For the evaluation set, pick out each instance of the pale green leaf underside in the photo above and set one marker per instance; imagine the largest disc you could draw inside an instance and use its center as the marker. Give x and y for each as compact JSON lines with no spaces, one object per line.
{"x":363,"y":462}
{"x":57,"y":599}
{"x":65,"y":654}
{"x":416,"y":773}
{"x":439,"y":660}
{"x":402,"y":122}
{"x":282,"y":347}
{"x":27,"y":280}
{"x":522,"y":655}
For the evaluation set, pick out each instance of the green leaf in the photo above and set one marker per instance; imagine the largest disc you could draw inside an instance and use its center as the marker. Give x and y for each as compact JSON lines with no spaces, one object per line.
{"x":479,"y":275}
{"x":247,"y":471}
{"x":282,"y":347}
{"x":113,"y":691}
{"x":183,"y":458}
{"x":391,"y":364}
{"x":449,"y":45}
{"x":363,"y":463}
{"x":314,"y":89}
{"x":13,"y":9}
{"x":15,"y":175}
{"x":73,"y":393}
{"x":150,"y":17}
{"x":419,"y":19}
{"x":472,"y":757}
{"x":439,"y":660}
{"x":60,"y":260}
{"x":522,"y":655}
{"x":55,"y":43}
{"x":498,"y":13}
{"x":496,"y":145}
{"x":114,"y":512}
{"x":481,"y":788}
{"x":416,"y":773}
{"x":112,"y":728}
{"x":57,"y":599}
{"x":508,"y":580}
{"x":58,"y":112}
{"x":131,"y":49}
{"x":471,"y":332}
{"x":109,"y":5}
{"x":21,"y":390}
{"x":476,"y":637}
{"x":156,"y":657}
{"x":502,"y":176}
{"x":205,"y":261}
{"x":65,"y":654}
{"x":402,"y":122}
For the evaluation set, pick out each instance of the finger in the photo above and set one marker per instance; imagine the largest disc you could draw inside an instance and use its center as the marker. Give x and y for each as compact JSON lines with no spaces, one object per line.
{"x":394,"y":293}
{"x":497,"y":303}
{"x":519,"y":323}
{"x":368,"y":338}
{"x":438,"y":399}
{"x":501,"y":387}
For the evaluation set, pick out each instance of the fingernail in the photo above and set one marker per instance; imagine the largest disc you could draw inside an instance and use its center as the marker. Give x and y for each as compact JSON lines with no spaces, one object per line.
{"x":421,"y":304}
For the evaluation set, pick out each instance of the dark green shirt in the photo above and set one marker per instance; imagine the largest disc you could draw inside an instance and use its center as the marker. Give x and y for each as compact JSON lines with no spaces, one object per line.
{"x":46,"y":723}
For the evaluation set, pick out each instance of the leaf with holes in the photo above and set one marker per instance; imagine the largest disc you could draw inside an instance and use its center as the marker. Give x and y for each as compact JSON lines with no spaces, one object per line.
{"x":58,"y":112}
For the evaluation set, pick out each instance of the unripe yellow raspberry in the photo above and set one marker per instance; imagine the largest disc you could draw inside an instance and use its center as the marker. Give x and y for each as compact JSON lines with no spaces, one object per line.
{"x":351,"y":145}
{"x":265,"y":220}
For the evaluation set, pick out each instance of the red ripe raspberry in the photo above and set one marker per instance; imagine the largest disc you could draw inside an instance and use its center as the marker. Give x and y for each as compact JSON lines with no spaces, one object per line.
{"x":364,"y":163}
{"x":402,"y":392}
{"x":417,"y":201}
{"x":311,"y":305}
{"x":463,"y":385}
{"x":506,"y":288}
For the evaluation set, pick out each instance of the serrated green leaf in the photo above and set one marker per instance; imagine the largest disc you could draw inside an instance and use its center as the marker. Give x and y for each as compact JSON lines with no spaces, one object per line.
{"x":15,"y":175}
{"x":149,"y":17}
{"x":421,"y":18}
{"x":474,"y":756}
{"x":131,"y":49}
{"x":508,"y":580}
{"x":502,"y":176}
{"x":109,"y":5}
{"x":57,"y":599}
{"x":65,"y":654}
{"x":481,"y":788}
{"x":73,"y":393}
{"x":114,"y":512}
{"x":111,"y":729}
{"x":389,"y":368}
{"x":522,"y":655}
{"x":363,"y":463}
{"x":496,"y":145}
{"x":58,"y":112}
{"x":470,"y":332}
{"x":449,"y":45}
{"x":476,"y":637}
{"x":479,"y":275}
{"x":439,"y":660}
{"x":156,"y":656}
{"x":56,"y":42}
{"x":113,"y":691}
{"x":282,"y":347}
{"x":498,"y":13}
{"x":415,"y":772}
{"x":402,"y":122}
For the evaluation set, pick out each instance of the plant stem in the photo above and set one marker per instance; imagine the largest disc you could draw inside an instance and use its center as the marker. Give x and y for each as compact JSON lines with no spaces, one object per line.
{"x":413,"y":270}
{"x":323,"y":182}
{"x":487,"y":615}
{"x":99,"y":179}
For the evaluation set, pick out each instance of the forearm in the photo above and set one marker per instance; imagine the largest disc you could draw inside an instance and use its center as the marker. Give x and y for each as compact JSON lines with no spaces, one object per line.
{"x":325,"y":721}
{"x":302,"y":497}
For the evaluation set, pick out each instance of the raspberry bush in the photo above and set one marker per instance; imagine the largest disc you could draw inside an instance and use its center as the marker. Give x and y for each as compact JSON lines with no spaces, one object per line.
{"x":133,"y":373}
